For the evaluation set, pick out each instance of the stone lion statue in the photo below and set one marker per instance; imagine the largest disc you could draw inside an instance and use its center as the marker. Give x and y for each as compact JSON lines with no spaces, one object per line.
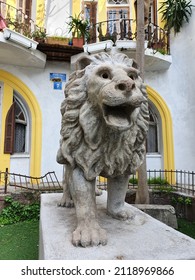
{"x":103,"y":130}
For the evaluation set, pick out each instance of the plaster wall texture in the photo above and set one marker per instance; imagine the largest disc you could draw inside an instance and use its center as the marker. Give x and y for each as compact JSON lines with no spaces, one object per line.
{"x":57,"y":13}
{"x":177,"y":88}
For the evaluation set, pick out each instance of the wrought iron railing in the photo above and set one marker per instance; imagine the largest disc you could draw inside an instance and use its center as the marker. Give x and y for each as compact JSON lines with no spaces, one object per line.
{"x":163,"y":180}
{"x":17,"y":20}
{"x":47,"y":183}
{"x":117,"y":29}
{"x":125,"y":29}
{"x":160,"y":180}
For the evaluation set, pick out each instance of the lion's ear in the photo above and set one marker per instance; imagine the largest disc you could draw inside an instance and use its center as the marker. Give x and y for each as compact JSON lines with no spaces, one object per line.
{"x":83,"y":62}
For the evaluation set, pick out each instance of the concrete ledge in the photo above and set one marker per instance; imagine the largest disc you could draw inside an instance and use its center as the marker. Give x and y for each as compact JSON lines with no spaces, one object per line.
{"x":164,"y":213}
{"x":141,"y":238}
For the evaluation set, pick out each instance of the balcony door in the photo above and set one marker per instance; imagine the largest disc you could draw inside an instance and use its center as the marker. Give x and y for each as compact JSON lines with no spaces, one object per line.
{"x":25,"y":6}
{"x":118,"y":15}
{"x":153,"y":12}
{"x":91,"y":14}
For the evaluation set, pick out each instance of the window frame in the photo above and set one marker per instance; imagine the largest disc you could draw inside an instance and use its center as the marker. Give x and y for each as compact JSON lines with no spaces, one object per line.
{"x":10,"y":125}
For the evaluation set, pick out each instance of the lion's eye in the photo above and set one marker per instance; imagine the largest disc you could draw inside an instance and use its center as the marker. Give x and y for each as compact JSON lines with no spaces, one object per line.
{"x":133,"y":76}
{"x":105,"y":75}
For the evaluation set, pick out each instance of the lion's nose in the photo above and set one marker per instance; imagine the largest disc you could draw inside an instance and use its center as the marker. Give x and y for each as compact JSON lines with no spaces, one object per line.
{"x":125,"y":85}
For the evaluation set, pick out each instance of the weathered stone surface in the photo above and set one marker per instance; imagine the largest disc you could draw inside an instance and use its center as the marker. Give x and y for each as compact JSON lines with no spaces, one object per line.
{"x":163,"y":213}
{"x":104,"y":127}
{"x":139,"y":238}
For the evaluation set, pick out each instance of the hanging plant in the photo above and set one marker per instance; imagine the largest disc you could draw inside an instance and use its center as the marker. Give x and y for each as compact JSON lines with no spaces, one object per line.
{"x":175,"y":13}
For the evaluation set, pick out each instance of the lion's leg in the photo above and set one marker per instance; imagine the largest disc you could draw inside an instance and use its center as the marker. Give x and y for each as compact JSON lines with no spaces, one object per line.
{"x":88,"y":231}
{"x":66,"y":200}
{"x":117,"y":188}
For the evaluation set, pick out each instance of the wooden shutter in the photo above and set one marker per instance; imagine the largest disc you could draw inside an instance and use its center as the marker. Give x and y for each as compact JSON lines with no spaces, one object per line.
{"x":9,"y":130}
{"x":91,"y":16}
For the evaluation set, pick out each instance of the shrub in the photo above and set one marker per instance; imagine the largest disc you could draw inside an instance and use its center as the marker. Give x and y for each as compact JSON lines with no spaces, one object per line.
{"x":182,"y":200}
{"x":133,"y":181}
{"x":157,"y":181}
{"x":15,"y":211}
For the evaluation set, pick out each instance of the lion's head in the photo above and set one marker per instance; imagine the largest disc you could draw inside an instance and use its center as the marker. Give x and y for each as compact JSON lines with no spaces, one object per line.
{"x":104,"y":116}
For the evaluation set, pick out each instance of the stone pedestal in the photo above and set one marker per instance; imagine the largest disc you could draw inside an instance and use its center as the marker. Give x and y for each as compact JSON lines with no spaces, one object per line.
{"x":163,"y":213}
{"x":141,"y":238}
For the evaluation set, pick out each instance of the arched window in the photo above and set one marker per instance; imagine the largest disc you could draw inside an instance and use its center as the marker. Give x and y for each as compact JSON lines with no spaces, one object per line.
{"x":152,"y":138}
{"x":16,"y":128}
{"x":20,"y":128}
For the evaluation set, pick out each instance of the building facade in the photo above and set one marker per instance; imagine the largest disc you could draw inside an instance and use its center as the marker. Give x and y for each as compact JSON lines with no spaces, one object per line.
{"x":32,"y":83}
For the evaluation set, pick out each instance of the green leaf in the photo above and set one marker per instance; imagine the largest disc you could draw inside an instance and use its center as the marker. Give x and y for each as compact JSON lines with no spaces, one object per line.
{"x":175,"y":13}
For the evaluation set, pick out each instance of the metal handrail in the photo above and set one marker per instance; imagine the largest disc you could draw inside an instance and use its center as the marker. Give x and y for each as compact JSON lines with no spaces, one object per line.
{"x":125,"y":29}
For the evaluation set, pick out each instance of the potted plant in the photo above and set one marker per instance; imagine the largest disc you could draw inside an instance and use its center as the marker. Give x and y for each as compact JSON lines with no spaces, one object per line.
{"x":79,"y":29}
{"x":175,"y":12}
{"x":39,"y":35}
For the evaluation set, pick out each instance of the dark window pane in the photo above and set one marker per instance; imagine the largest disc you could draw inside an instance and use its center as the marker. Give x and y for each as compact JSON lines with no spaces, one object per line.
{"x":19,"y":145}
{"x":152,"y":145}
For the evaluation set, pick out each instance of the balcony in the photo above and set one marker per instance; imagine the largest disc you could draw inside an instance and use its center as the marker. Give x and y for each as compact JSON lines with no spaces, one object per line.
{"x":121,"y":35}
{"x":16,"y":44}
{"x":16,"y":20}
{"x":103,"y":36}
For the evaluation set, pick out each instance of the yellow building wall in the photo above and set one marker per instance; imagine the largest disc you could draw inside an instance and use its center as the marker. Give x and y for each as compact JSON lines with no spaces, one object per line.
{"x":11,"y":83}
{"x":102,"y":13}
{"x":40,"y":13}
{"x":6,"y":104}
{"x":11,"y":11}
{"x":11,"y":2}
{"x":76,"y":7}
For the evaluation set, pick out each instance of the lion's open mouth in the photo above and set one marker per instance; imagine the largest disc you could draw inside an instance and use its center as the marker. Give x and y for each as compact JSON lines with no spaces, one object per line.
{"x":118,"y":116}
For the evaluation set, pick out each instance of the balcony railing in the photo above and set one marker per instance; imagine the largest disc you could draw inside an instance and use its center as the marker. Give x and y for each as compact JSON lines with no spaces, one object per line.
{"x":16,"y":20}
{"x":125,"y":29}
{"x":118,"y":29}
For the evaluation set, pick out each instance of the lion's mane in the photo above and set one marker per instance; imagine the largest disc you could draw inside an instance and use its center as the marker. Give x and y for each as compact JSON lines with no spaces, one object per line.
{"x":87,"y":142}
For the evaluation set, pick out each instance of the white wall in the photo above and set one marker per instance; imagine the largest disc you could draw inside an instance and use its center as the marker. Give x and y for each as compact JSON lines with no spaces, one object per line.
{"x":177,"y":87}
{"x":57,"y":13}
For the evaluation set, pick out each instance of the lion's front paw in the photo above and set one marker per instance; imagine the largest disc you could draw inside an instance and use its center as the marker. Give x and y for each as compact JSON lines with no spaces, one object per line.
{"x":89,"y":235}
{"x":120,"y":214}
{"x":66,"y":202}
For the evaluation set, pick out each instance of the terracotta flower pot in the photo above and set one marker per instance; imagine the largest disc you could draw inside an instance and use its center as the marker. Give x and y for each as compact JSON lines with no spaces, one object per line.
{"x":77,"y":42}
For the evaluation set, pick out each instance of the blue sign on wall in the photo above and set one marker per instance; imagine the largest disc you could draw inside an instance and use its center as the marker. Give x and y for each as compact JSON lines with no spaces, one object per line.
{"x":57,"y":77}
{"x":57,"y":85}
